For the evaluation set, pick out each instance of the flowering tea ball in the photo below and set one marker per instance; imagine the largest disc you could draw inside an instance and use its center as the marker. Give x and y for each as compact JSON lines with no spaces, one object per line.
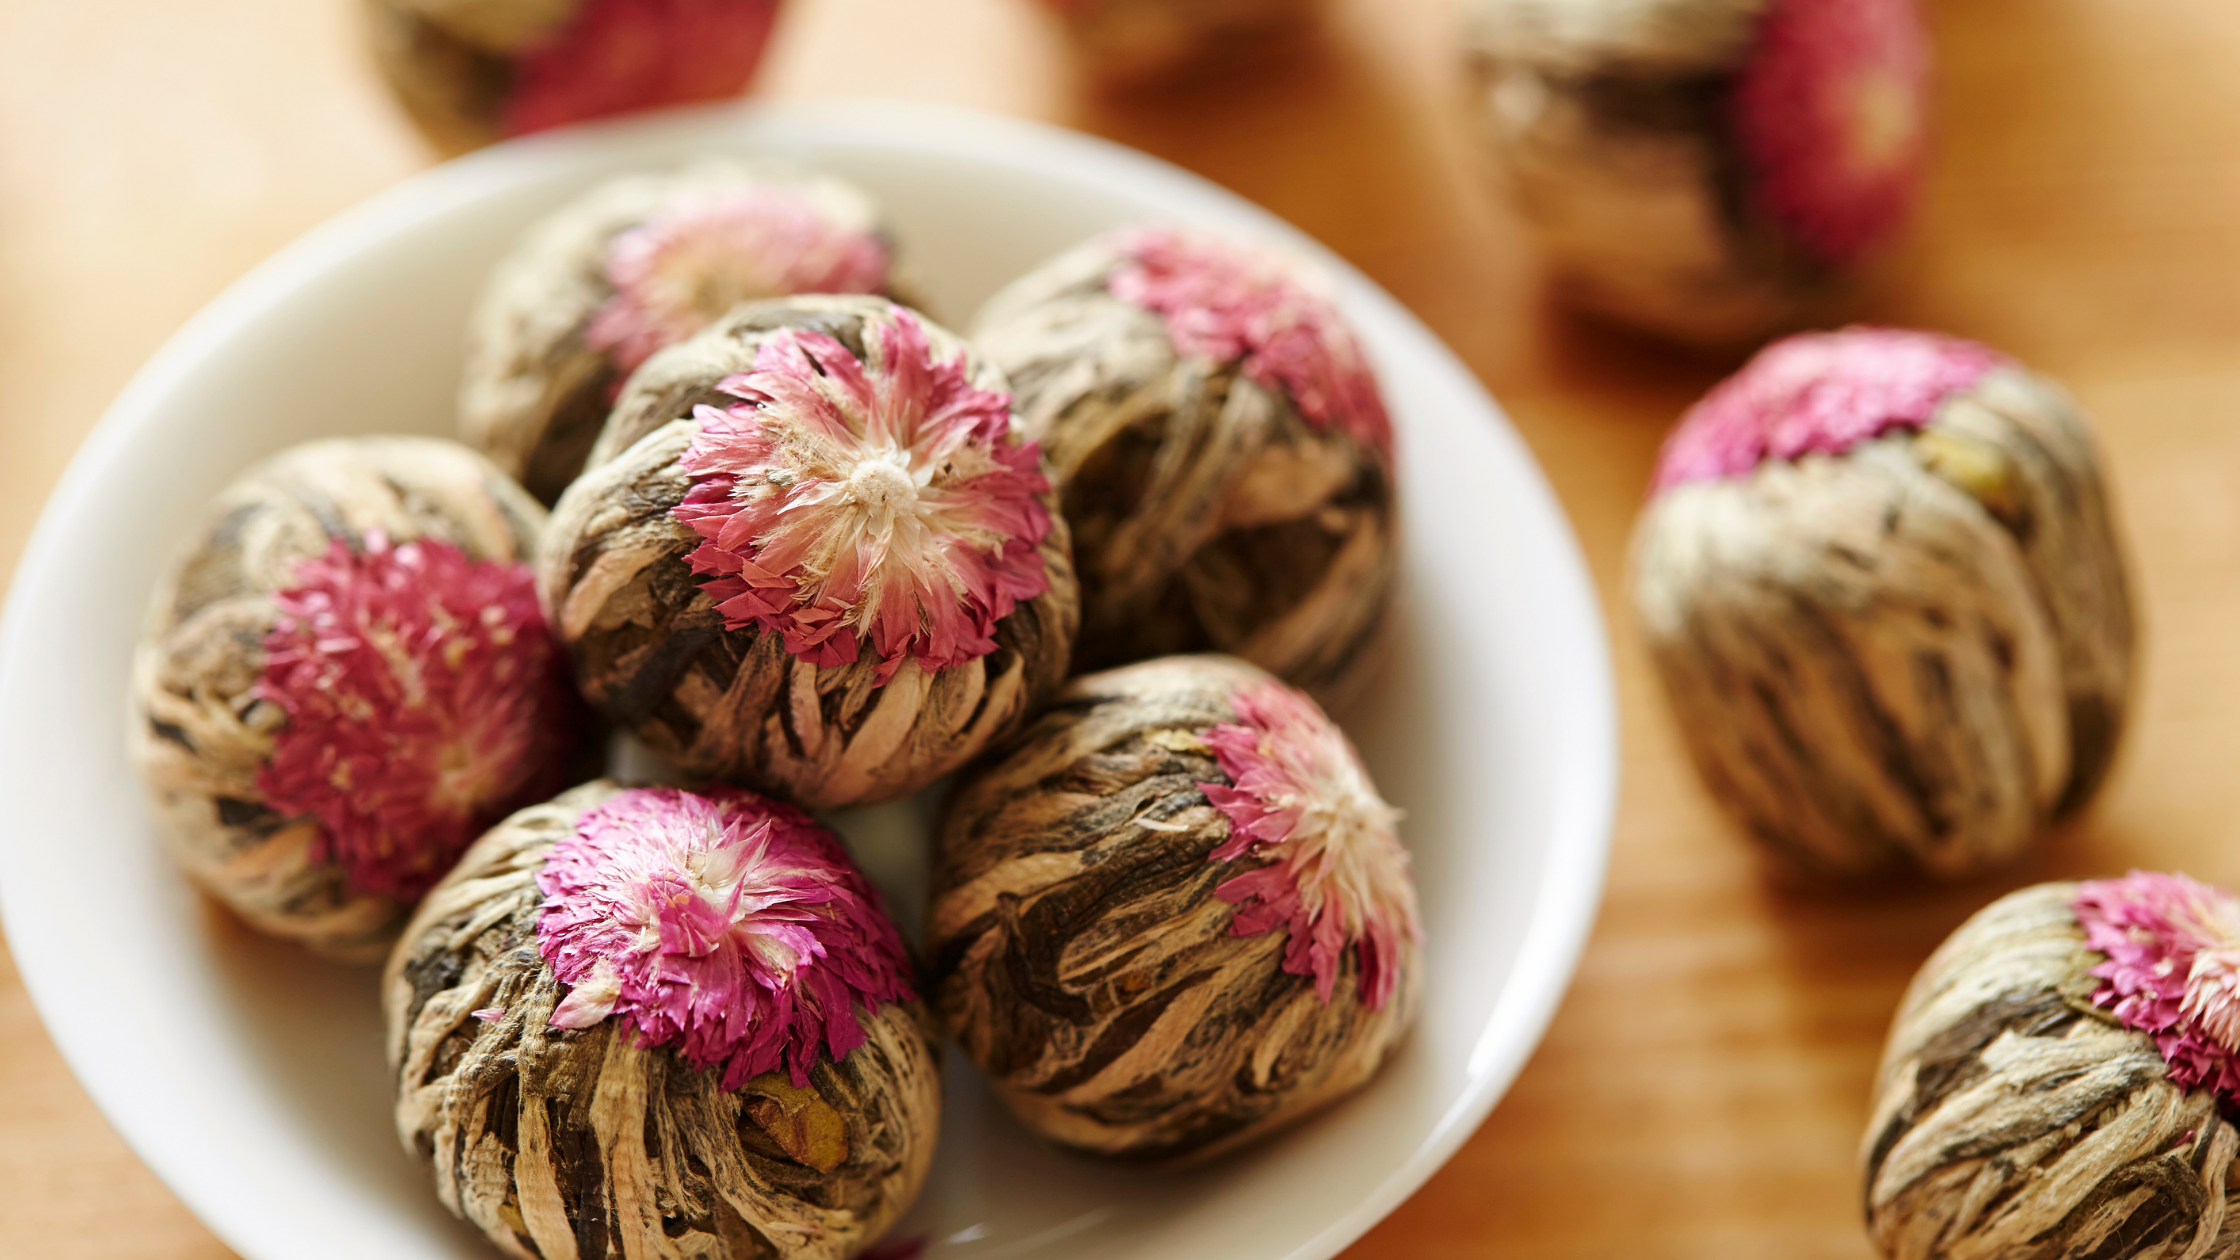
{"x":345,"y":681}
{"x":1879,"y":575}
{"x":1224,"y":457}
{"x":814,"y":553}
{"x":473,"y":71}
{"x":1175,"y":916}
{"x":1126,"y":41}
{"x":644,"y":1021}
{"x":634,"y":266}
{"x":1709,"y":170}
{"x":2060,"y":1078}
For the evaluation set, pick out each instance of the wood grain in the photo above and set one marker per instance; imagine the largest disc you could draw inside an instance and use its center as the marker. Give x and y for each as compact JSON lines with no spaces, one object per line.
{"x":1702,"y":1092}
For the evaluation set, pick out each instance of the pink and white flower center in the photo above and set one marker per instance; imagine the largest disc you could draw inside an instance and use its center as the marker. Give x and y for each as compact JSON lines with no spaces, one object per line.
{"x":721,"y":923}
{"x":424,"y":700}
{"x":1338,"y":879}
{"x":2172,"y":970}
{"x":886,"y":505}
{"x":1819,"y":393}
{"x":1228,"y":303}
{"x":684,"y":268}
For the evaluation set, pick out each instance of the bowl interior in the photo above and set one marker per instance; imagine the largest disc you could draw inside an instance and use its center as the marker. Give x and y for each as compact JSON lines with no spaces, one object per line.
{"x":250,"y":1076}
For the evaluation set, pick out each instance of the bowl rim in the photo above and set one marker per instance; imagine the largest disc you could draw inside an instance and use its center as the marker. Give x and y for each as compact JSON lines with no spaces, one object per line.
{"x":1569,"y":895}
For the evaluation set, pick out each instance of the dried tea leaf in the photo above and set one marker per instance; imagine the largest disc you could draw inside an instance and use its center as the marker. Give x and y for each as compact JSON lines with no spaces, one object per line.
{"x":798,"y":1120}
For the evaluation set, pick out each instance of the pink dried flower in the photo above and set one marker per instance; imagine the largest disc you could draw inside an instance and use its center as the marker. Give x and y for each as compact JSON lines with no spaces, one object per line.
{"x":1819,"y":393}
{"x":1338,"y":875}
{"x":489,"y":1014}
{"x":722,"y":923}
{"x":2173,"y":970}
{"x":1831,"y":111}
{"x":845,"y":501}
{"x":614,"y":56}
{"x":1227,"y":302}
{"x":680,"y":270}
{"x":425,"y":701}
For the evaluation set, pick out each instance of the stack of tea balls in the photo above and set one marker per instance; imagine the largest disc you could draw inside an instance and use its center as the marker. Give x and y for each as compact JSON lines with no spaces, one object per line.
{"x":815,"y":550}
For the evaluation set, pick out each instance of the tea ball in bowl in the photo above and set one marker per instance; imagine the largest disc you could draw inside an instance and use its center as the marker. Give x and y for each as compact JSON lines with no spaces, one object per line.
{"x":2060,"y":1080}
{"x":1879,"y":575}
{"x":634,"y":266}
{"x":814,"y":553}
{"x":651,"y":1021}
{"x":345,"y":680}
{"x":1223,"y":453}
{"x":1174,"y":915}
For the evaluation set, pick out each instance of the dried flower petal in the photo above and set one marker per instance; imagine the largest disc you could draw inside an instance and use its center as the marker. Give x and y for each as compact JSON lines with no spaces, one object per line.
{"x":1819,"y":393}
{"x":1224,"y":301}
{"x":680,"y":270}
{"x":1339,"y":875}
{"x":888,"y":500}
{"x":727,"y":925}
{"x":1832,"y":114}
{"x":615,"y":56}
{"x":425,"y":700}
{"x":2173,"y":970}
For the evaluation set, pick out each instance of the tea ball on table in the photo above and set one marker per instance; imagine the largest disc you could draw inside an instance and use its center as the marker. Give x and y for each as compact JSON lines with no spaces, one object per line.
{"x":345,"y":680}
{"x":1879,"y":575}
{"x":647,"y":1021}
{"x":814,"y":553}
{"x":1174,"y":915}
{"x":470,"y":72}
{"x":1223,"y":453}
{"x":2060,"y":1081}
{"x":1709,"y":170}
{"x":636,"y":265}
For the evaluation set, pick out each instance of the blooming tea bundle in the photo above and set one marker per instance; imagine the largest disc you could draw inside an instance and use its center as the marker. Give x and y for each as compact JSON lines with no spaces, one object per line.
{"x":345,"y":681}
{"x":2060,"y":1081}
{"x":646,"y":1021}
{"x":1224,"y":456}
{"x":634,"y":266}
{"x":1879,"y":576}
{"x":814,"y":553}
{"x":1174,"y":916}
{"x":1710,"y":170}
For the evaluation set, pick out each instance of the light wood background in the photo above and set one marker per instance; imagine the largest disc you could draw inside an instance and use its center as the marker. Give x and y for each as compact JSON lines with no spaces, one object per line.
{"x":1702,"y":1090}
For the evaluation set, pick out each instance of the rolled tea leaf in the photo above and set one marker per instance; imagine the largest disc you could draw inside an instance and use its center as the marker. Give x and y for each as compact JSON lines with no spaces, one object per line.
{"x":1174,"y":916}
{"x":750,"y":1080}
{"x":814,"y":553}
{"x":1880,"y":578}
{"x":1142,"y":41}
{"x":1224,"y":455}
{"x":2059,"y":1079}
{"x":345,"y":680}
{"x":632,"y":267}
{"x":1709,"y":170}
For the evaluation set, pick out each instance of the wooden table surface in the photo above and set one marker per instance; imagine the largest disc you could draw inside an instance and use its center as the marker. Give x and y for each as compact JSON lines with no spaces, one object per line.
{"x":1702,"y":1090}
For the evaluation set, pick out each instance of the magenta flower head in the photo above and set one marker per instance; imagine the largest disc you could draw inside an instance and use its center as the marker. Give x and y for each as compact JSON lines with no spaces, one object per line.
{"x":346,"y":680}
{"x":1713,"y":171}
{"x":721,"y":923}
{"x":637,"y":264}
{"x":1175,"y":915}
{"x":1880,"y":576}
{"x":687,"y":1009}
{"x":840,"y":572}
{"x":473,"y":71}
{"x":425,"y":700}
{"x":1222,"y":447}
{"x":1336,"y":878}
{"x":2059,"y":1079}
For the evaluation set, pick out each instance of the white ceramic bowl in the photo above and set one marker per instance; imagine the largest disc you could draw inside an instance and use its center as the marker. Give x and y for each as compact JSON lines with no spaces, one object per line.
{"x":249,"y":1076}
